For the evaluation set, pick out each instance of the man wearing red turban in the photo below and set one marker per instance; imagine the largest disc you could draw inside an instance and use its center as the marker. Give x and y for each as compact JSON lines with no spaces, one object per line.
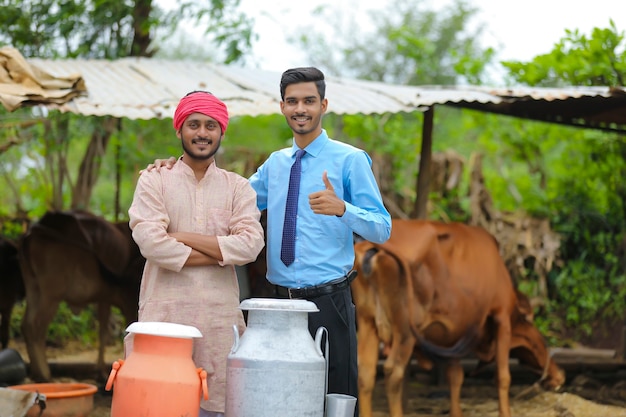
{"x":201,"y":102}
{"x":193,"y":223}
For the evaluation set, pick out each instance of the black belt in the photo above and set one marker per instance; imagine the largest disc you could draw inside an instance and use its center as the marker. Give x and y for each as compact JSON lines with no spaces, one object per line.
{"x":317,"y":290}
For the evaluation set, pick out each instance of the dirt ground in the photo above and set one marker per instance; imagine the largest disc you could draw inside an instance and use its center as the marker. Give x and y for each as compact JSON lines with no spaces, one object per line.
{"x":476,"y":402}
{"x":583,"y":396}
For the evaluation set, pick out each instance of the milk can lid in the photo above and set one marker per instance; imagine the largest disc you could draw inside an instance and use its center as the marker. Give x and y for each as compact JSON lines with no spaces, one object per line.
{"x":158,"y":328}
{"x":278,"y":304}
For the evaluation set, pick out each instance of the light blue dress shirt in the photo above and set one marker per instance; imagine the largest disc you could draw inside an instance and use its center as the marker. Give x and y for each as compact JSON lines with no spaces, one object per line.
{"x":324,"y":244}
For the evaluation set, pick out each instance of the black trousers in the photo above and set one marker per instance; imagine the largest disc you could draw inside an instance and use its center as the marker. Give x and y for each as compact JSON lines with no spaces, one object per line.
{"x":337,"y":315}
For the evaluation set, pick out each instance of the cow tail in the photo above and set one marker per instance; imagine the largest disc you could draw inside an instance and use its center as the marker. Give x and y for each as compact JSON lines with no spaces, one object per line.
{"x":367,"y":261}
{"x":405,"y":267}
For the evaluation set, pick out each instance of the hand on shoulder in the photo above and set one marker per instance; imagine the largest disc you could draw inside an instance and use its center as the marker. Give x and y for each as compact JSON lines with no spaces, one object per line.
{"x":160,"y":163}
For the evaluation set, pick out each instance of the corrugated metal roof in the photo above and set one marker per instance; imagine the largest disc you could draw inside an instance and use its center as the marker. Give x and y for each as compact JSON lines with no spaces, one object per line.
{"x":146,"y":88}
{"x":602,"y":108}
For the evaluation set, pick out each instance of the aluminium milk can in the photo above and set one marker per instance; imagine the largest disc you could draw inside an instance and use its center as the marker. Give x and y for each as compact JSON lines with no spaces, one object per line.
{"x":276,"y":368}
{"x":158,"y":377}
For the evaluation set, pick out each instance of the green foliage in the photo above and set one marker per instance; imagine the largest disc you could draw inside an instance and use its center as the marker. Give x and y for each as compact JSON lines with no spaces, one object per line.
{"x":116,"y":28}
{"x":137,"y":143}
{"x":589,"y":212}
{"x":10,"y":228}
{"x":263,"y":134}
{"x":22,"y":172}
{"x":409,"y":44}
{"x":584,"y":192}
{"x":37,"y":170}
{"x":577,"y":59}
{"x":550,"y":324}
{"x":227,"y":35}
{"x":68,"y":29}
{"x":588,"y":292}
{"x":65,"y":326}
{"x":574,"y":177}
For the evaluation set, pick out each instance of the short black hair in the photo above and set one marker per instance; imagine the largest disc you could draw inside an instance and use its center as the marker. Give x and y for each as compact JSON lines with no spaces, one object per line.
{"x":303,"y":75}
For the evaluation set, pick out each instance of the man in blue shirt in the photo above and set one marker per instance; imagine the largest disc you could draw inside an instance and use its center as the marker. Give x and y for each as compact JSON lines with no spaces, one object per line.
{"x":338,"y":197}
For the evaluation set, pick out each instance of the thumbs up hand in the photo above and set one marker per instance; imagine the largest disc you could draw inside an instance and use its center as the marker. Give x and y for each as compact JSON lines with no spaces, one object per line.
{"x":326,"y":201}
{"x":327,"y":183}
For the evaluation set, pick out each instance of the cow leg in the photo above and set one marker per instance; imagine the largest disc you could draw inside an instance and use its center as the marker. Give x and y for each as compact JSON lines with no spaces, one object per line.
{"x":368,"y":345}
{"x":503,"y":347}
{"x":37,"y":318}
{"x":104,"y":315}
{"x":395,"y":367}
{"x":455,"y":381}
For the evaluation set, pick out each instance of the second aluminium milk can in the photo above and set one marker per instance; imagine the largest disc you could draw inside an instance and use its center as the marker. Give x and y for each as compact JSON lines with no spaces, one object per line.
{"x":276,"y":368}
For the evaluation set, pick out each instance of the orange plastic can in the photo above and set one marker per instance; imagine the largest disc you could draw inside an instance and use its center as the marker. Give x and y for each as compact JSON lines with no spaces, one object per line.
{"x":158,"y":378}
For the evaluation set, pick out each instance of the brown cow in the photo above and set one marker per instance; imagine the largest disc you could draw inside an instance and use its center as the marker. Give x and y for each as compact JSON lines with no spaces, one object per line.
{"x":81,"y":259}
{"x":11,"y":286}
{"x":456,"y":299}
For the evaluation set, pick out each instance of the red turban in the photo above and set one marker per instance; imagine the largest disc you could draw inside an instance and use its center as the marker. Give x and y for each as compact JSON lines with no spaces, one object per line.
{"x":201,"y":102}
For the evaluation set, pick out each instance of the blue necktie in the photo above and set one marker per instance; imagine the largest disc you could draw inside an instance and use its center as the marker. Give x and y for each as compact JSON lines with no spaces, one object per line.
{"x":288,"y":248}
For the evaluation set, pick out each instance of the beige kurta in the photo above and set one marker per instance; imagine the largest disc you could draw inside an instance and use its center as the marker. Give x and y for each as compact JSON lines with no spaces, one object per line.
{"x":222,"y":204}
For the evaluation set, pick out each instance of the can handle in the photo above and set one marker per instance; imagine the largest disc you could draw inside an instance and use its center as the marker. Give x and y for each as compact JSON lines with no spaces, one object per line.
{"x":203,"y":383}
{"x":115,"y":369}
{"x":318,"y":340}
{"x":235,"y":340}
{"x":318,"y":346}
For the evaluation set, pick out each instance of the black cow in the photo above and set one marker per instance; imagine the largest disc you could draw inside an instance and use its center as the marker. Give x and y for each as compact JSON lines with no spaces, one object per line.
{"x":11,"y":286}
{"x":78,"y":258}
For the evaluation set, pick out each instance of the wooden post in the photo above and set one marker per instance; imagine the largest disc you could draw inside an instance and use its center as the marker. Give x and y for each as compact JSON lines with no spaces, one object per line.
{"x":420,"y":211}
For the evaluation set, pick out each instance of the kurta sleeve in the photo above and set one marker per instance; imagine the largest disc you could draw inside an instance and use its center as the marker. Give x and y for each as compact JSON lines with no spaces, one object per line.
{"x":149,"y":222}
{"x":246,"y":238}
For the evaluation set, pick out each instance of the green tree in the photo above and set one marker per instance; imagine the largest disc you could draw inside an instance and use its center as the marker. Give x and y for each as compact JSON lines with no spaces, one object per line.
{"x":577,"y":59}
{"x":408,"y":44}
{"x":586,"y":193}
{"x":109,"y":29}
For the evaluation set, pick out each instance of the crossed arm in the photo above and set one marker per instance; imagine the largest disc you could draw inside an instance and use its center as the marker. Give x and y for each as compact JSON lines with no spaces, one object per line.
{"x":204,"y":249}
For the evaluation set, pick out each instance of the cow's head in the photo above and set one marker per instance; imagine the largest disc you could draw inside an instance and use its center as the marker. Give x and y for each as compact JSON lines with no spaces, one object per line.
{"x":554,"y":379}
{"x":529,"y":347}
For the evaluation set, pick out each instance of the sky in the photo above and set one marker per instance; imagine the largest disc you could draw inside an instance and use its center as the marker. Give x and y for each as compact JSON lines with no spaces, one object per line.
{"x":518,"y":30}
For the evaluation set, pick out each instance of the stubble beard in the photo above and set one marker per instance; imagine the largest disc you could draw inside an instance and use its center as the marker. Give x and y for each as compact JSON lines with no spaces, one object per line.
{"x":312,"y":126}
{"x":201,"y":157}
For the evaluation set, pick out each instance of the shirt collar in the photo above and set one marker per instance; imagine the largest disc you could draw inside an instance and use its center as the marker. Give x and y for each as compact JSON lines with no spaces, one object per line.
{"x":188,"y":171}
{"x":314,"y":147}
